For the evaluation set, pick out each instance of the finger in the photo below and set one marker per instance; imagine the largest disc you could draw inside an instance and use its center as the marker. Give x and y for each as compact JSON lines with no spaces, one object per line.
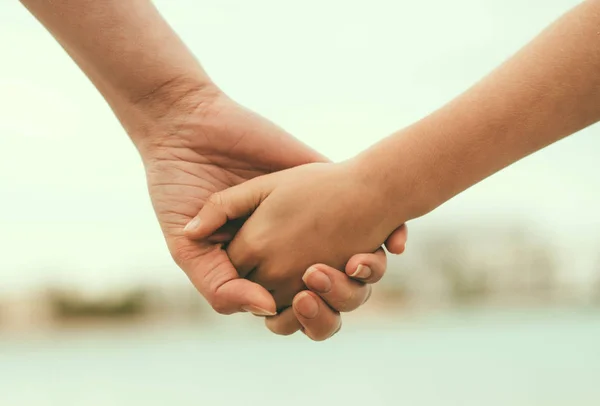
{"x":284,"y":323}
{"x":217,"y":280}
{"x":284,"y":296}
{"x":227,"y":232}
{"x":244,"y":254}
{"x":229,"y":204}
{"x":367,"y":268}
{"x":283,"y":289}
{"x":396,"y":242}
{"x":337,"y":289}
{"x":319,"y":321}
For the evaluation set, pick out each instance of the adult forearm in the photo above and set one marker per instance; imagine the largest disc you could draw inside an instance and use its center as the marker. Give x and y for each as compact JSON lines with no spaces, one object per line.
{"x":547,"y":91}
{"x":126,"y":48}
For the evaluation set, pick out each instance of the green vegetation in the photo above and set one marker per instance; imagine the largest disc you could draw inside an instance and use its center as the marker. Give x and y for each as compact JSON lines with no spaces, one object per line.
{"x":444,"y":270}
{"x":69,"y":306}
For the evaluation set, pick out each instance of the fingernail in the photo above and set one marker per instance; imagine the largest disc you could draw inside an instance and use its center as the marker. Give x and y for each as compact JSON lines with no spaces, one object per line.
{"x":306,"y":306}
{"x":257,"y":311}
{"x":192,"y":225}
{"x":317,"y":281}
{"x":362,"y":272}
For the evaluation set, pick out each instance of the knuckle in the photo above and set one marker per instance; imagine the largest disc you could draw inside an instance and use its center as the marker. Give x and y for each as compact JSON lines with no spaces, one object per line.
{"x":247,"y":250}
{"x":216,"y":199}
{"x":283,"y":285}
{"x":243,"y":258}
{"x":219,"y":307}
{"x":219,"y":303}
{"x":347,"y":301}
{"x":214,"y":278}
{"x":253,"y":247}
{"x":258,"y":238}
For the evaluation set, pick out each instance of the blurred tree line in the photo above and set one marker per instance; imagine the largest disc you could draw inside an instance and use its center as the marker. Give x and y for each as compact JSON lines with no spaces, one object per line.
{"x":445,"y":269}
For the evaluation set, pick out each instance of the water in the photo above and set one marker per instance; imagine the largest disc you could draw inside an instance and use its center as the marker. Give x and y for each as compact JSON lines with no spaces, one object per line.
{"x":415,"y":60}
{"x":517,"y":358}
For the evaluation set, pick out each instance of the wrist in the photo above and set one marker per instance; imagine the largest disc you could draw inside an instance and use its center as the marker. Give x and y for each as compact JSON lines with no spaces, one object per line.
{"x":153,"y":117}
{"x":398,"y":172}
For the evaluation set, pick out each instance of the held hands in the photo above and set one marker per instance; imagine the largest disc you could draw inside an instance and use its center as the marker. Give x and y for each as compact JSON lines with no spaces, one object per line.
{"x":320,"y":213}
{"x":202,"y":143}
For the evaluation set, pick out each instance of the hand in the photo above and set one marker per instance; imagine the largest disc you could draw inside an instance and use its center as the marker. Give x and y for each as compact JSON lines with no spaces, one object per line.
{"x":337,"y":290}
{"x":206,"y":143}
{"x":320,"y":213}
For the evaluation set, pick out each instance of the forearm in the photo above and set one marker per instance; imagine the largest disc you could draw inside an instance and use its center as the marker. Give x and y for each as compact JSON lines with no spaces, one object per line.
{"x":547,"y":91}
{"x":126,"y":49}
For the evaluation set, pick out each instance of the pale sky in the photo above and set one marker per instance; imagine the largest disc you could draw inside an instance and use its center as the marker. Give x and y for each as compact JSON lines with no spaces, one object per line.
{"x":339,"y":75}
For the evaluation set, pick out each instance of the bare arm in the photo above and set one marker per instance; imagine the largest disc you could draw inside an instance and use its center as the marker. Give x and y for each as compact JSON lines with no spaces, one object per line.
{"x":547,"y":91}
{"x":194,"y":140}
{"x":126,"y":49}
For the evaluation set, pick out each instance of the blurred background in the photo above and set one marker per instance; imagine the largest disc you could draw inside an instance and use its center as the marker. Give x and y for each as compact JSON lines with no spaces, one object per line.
{"x":496,"y":300}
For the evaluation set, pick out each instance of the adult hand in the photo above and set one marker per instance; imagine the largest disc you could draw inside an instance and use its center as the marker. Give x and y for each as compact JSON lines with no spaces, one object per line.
{"x":287,"y":233}
{"x":194,"y":141}
{"x":203,"y":143}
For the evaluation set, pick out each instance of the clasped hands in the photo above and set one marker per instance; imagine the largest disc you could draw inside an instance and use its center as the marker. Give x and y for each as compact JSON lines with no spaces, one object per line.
{"x":210,"y":163}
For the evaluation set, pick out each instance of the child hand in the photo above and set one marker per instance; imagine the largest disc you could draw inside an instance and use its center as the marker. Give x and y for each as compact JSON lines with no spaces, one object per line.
{"x":316,"y":213}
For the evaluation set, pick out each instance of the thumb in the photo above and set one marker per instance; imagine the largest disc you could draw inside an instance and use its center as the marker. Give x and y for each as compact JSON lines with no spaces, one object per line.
{"x":396,"y":242}
{"x":229,"y":204}
{"x":217,"y":280}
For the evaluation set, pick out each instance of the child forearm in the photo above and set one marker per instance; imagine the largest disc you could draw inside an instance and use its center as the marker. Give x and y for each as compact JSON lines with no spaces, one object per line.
{"x":547,"y":91}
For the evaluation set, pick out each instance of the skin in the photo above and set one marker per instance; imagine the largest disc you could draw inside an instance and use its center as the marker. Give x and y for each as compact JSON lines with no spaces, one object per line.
{"x":195,"y":141}
{"x":269,"y":259}
{"x":547,"y":91}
